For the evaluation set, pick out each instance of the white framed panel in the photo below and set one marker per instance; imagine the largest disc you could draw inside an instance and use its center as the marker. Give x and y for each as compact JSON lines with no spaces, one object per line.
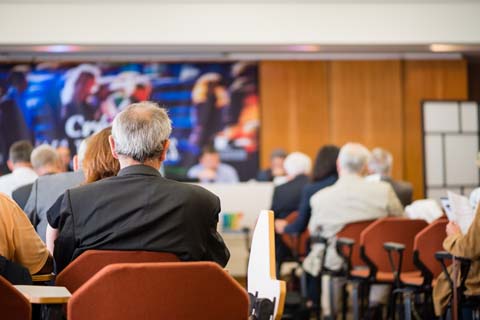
{"x":437,"y":193}
{"x":439,"y":116}
{"x":469,"y":116}
{"x":434,"y":160}
{"x":460,"y":159}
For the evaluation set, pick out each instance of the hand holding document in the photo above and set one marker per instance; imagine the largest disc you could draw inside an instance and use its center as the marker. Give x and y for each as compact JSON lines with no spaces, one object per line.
{"x":459,"y":210}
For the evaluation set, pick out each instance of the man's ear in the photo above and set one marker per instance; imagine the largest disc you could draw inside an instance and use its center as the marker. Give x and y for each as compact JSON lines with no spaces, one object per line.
{"x":10,"y":165}
{"x":112,"y":146}
{"x":75,"y":163}
{"x":166,"y":144}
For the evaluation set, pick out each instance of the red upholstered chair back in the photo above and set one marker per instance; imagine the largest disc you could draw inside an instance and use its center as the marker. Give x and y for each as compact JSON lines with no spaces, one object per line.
{"x":13,"y":305}
{"x":399,"y":230}
{"x":428,"y":241}
{"x":353,"y":231}
{"x":147,"y":291}
{"x":92,"y":261}
{"x":299,"y":243}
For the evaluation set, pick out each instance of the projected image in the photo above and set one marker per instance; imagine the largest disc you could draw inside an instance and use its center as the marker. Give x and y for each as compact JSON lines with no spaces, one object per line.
{"x":214,"y":104}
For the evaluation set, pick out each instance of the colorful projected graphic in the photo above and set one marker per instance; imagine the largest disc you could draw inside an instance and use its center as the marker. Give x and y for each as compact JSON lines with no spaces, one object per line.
{"x":63,"y":103}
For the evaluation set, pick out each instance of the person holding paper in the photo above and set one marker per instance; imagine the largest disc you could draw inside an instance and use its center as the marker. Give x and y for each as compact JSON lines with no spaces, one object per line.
{"x":462,"y":245}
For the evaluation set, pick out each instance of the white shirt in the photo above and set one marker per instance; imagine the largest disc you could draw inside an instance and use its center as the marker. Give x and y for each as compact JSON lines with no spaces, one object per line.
{"x":18,"y":178}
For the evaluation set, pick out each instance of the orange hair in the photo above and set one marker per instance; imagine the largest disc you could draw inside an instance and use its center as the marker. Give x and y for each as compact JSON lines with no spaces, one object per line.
{"x":98,"y":162}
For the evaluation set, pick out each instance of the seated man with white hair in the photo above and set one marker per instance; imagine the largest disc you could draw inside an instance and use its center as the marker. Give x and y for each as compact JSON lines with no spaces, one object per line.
{"x":380,"y":167}
{"x":287,"y":196}
{"x":352,"y":198}
{"x":139,"y":209}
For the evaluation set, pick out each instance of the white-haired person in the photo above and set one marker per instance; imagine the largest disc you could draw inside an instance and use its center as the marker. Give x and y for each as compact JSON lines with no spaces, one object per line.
{"x":138,"y":209}
{"x":380,"y":168}
{"x":45,"y":161}
{"x":352,"y":198}
{"x":286,"y":197}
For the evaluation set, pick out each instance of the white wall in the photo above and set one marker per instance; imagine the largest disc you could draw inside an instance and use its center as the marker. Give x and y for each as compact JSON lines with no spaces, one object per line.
{"x":226,"y":24}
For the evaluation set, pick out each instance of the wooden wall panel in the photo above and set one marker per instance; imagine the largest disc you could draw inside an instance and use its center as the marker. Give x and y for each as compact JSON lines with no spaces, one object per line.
{"x":293,"y":106}
{"x":425,"y":80}
{"x":366,"y":105}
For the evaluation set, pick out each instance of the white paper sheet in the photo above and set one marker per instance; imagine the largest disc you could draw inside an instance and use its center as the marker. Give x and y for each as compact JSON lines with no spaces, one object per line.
{"x":462,"y":211}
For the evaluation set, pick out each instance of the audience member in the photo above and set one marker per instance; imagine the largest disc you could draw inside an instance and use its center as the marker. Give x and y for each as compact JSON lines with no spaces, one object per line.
{"x":324,"y":174}
{"x":276,"y":166}
{"x":210,"y":169}
{"x":46,"y":189}
{"x":45,"y":161}
{"x":380,"y":165}
{"x":19,"y":242}
{"x":98,"y":163}
{"x":65,"y":158}
{"x":286,"y":197}
{"x":139,"y":209}
{"x":19,"y":163}
{"x":460,"y":245}
{"x":350,"y":199}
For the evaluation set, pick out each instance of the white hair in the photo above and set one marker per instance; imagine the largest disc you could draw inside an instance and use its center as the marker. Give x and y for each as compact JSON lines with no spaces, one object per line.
{"x":297,"y":163}
{"x":44,"y":155}
{"x":353,"y":158}
{"x":380,"y":161}
{"x":141,"y":130}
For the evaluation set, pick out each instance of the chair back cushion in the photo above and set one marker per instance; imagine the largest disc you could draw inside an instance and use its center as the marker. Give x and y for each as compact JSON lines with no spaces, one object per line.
{"x":401,"y":230}
{"x":92,"y":261}
{"x":180,"y":291}
{"x":353,"y":231}
{"x":13,"y":304}
{"x":428,"y":242}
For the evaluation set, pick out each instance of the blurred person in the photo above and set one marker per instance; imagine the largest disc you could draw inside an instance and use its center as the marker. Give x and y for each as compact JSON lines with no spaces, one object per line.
{"x":380,"y":168}
{"x":210,"y":97}
{"x":46,"y":189}
{"x":65,"y":158}
{"x":210,"y":169}
{"x":324,"y":174}
{"x":21,"y":167}
{"x":15,"y":119}
{"x":286,"y":197}
{"x":45,"y":161}
{"x":352,"y":198}
{"x":19,"y":242}
{"x":139,"y":209}
{"x":276,"y":166}
{"x":460,"y":245}
{"x":98,"y":163}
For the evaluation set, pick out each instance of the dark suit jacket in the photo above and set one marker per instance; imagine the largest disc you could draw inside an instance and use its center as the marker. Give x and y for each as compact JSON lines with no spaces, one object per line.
{"x":286,"y":197}
{"x":21,"y":195}
{"x":403,"y":190}
{"x":140,"y":210}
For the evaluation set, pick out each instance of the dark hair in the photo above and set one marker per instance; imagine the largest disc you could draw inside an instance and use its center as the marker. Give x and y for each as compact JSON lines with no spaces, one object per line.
{"x":209,"y":149}
{"x":326,"y":162}
{"x":20,"y":151}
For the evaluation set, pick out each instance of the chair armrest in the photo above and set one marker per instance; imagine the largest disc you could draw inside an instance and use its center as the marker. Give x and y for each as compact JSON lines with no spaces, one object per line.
{"x":345,"y":250}
{"x":318,"y":240}
{"x":443,"y":257}
{"x":389,"y":246}
{"x":398,"y":248}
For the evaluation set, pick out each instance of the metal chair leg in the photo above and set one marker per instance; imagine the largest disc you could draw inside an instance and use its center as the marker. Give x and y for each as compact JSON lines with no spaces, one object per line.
{"x":356,"y":306}
{"x":331,"y":287}
{"x":407,"y":302}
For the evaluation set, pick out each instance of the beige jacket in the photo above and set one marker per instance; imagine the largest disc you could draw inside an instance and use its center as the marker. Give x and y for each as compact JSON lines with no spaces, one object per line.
{"x":467,"y":246}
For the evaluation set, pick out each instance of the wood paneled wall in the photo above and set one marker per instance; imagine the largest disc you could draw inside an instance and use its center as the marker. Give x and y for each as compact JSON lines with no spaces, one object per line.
{"x":306,"y":104}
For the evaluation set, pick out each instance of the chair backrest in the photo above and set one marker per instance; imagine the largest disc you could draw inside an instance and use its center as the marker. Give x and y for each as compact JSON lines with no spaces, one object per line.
{"x":92,"y":261}
{"x":13,"y":305}
{"x":179,"y":290}
{"x":428,"y":242}
{"x":353,"y":231}
{"x":296,"y":244}
{"x":401,"y":230}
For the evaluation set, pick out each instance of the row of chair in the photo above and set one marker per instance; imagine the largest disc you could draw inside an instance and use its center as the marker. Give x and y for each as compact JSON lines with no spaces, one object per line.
{"x":395,"y":251}
{"x":141,"y":289}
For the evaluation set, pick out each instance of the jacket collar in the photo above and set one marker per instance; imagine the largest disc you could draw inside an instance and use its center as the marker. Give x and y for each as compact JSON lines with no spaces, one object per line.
{"x":139,"y":169}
